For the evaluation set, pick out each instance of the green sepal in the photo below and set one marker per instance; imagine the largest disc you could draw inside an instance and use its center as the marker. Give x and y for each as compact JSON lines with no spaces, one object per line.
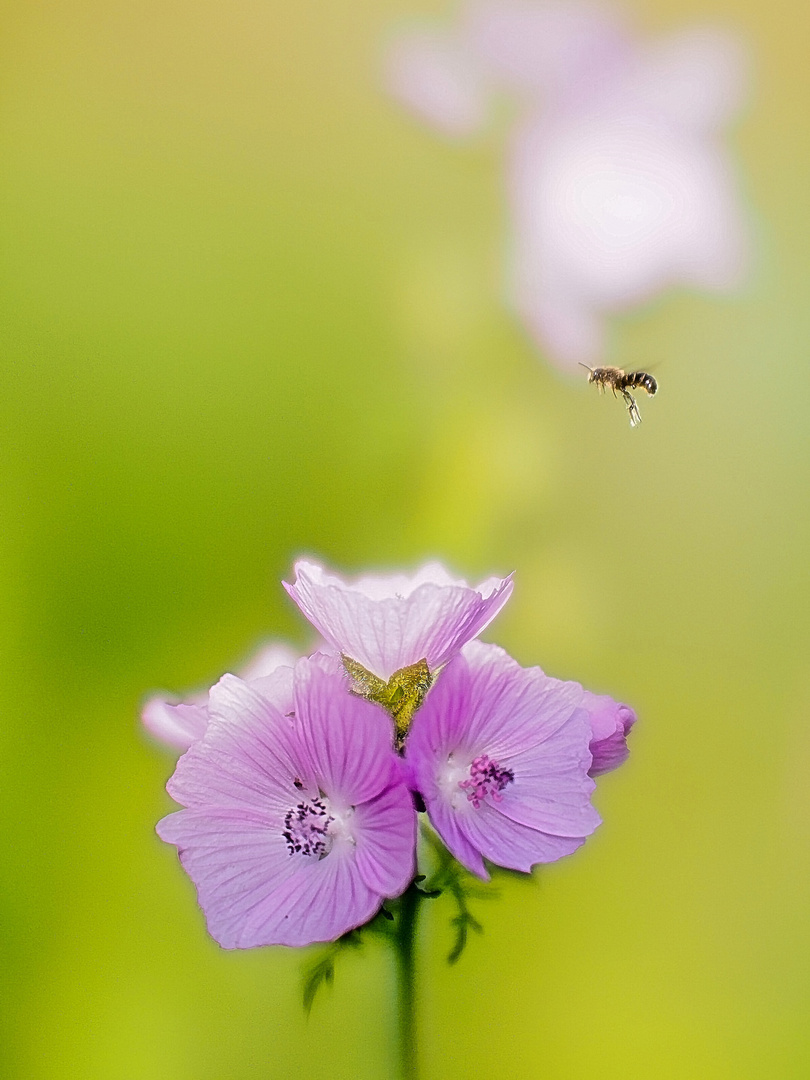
{"x":401,"y":696}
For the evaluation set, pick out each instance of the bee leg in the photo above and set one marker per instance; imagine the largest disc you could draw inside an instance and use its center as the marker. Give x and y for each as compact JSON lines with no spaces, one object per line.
{"x":632,"y":408}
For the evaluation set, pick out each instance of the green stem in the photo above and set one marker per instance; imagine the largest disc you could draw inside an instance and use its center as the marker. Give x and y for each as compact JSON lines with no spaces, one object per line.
{"x":404,"y":942}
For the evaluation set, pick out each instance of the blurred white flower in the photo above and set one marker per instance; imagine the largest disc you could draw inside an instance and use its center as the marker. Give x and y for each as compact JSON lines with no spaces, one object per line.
{"x":617,"y":180}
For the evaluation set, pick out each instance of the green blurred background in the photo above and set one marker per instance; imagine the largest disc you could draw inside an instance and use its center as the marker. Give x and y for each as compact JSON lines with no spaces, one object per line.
{"x":250,"y":309}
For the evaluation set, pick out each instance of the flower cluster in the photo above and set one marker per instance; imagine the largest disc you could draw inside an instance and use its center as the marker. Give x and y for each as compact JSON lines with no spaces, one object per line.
{"x":300,"y":781}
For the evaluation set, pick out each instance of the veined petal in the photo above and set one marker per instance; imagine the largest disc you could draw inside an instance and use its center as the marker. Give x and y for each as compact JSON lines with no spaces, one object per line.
{"x":386,"y":623}
{"x":443,"y":722}
{"x":507,"y":843}
{"x":524,"y":706}
{"x":346,"y":742}
{"x":548,"y":792}
{"x":447,"y":825}
{"x":235,"y":858}
{"x":247,"y":757}
{"x":386,"y":841}
{"x":318,"y":903}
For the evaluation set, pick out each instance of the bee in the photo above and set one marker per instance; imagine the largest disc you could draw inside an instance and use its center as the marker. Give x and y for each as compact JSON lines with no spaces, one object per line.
{"x":622,"y":382}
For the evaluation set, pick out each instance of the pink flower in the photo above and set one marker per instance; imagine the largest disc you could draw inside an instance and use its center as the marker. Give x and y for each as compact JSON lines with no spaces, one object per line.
{"x":179,"y":724}
{"x":297,"y":822}
{"x":610,"y":726}
{"x":618,"y":182}
{"x":387,"y":623}
{"x":500,"y":755}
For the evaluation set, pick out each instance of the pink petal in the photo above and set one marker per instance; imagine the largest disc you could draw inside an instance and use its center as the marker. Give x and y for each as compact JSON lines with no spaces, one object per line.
{"x":507,"y":843}
{"x":320,"y":902}
{"x":182,"y":724}
{"x":529,"y":726}
{"x":386,"y":623}
{"x":232,"y":856}
{"x":386,"y":841}
{"x":346,"y":742}
{"x":276,"y":747}
{"x":253,"y":892}
{"x":445,"y":822}
{"x":442,"y":722}
{"x":517,"y":707}
{"x":549,"y":50}
{"x":610,"y":725}
{"x":246,"y":759}
{"x":550,"y":791}
{"x":177,"y":725}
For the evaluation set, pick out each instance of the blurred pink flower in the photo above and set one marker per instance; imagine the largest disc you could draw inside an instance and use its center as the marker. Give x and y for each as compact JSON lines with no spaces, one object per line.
{"x":388,"y":622}
{"x":500,"y":755}
{"x":297,"y":822}
{"x":617,"y":180}
{"x":179,"y":724}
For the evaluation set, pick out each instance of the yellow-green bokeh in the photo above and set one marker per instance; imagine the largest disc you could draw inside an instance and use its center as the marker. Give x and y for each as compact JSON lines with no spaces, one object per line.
{"x":249,"y":309}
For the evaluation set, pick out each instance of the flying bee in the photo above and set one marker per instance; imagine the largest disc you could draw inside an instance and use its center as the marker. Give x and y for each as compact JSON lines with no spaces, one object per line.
{"x":621,"y":382}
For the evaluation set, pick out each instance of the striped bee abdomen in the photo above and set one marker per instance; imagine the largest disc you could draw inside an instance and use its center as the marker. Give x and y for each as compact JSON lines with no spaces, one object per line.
{"x":641,"y":378}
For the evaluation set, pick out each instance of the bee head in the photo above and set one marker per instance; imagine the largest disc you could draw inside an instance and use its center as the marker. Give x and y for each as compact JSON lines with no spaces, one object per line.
{"x":591,"y":371}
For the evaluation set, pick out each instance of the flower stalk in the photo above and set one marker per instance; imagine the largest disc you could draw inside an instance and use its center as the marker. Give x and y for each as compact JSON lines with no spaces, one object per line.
{"x":404,"y":942}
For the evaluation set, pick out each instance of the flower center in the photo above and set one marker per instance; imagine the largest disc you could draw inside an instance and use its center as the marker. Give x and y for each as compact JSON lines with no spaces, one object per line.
{"x":486,"y":778}
{"x":306,"y":828}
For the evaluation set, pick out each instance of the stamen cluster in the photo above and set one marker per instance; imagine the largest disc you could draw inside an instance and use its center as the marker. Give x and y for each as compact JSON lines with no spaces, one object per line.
{"x":486,"y":778}
{"x":306,"y":828}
